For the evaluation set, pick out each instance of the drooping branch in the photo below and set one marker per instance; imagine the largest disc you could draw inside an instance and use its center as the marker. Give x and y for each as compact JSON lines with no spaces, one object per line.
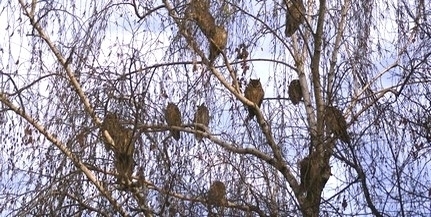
{"x":77,"y":162}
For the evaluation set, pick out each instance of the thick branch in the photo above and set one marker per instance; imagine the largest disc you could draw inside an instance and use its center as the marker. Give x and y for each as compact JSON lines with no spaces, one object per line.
{"x":315,"y":64}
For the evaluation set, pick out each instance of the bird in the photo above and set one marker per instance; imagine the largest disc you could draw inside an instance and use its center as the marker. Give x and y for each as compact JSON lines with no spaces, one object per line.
{"x":254,"y":92}
{"x":173,"y":118}
{"x":199,"y":12}
{"x":295,"y":91}
{"x":119,"y":134}
{"x":217,"y":193}
{"x":305,"y":172}
{"x":336,"y":123}
{"x":204,"y":20}
{"x":294,"y":16}
{"x":123,"y":146}
{"x":217,"y":41}
{"x":217,"y":35}
{"x":110,"y":124}
{"x":201,"y":117}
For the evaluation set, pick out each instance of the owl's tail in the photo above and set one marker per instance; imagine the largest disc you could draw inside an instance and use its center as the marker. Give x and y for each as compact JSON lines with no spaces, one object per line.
{"x":176,"y":134}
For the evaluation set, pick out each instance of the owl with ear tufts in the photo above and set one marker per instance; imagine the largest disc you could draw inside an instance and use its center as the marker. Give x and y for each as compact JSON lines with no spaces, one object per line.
{"x":173,"y":118}
{"x":336,"y":123}
{"x":254,"y":92}
{"x":201,"y":117}
{"x":294,"y":16}
{"x":295,"y":91}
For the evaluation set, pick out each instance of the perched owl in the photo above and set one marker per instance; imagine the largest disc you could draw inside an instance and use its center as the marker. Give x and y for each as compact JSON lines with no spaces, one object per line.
{"x":206,"y":23}
{"x":201,"y":117}
{"x":314,"y":172}
{"x":173,"y":118}
{"x":218,"y":42}
{"x":336,"y":123}
{"x":294,"y":16}
{"x":295,"y":91}
{"x":217,"y":193}
{"x":120,"y":135}
{"x":199,"y":12}
{"x":254,"y":92}
{"x":123,"y":146}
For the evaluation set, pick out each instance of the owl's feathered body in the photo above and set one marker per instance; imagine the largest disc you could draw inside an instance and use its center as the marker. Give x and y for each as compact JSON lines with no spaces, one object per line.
{"x":218,"y":42}
{"x":201,"y":117}
{"x":254,"y":92}
{"x":294,"y":16}
{"x":295,"y":91}
{"x":200,"y":13}
{"x":120,"y":135}
{"x":123,"y":146}
{"x":336,"y":123}
{"x":173,"y":118}
{"x":217,"y":193}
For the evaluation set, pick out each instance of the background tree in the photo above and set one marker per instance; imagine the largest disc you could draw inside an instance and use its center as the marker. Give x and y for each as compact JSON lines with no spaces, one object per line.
{"x":66,"y":65}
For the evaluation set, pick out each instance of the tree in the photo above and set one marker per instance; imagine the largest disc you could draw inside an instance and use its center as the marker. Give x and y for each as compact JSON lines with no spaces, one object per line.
{"x":66,"y":66}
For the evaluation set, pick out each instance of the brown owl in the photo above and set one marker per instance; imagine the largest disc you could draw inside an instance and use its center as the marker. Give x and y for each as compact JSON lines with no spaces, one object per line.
{"x":123,"y":146}
{"x":217,"y":193}
{"x":173,"y":118}
{"x":199,"y":12}
{"x":205,"y":21}
{"x":314,"y":172}
{"x":120,"y":135}
{"x":305,"y":171}
{"x":201,"y":117}
{"x":254,"y":92}
{"x":295,"y":91}
{"x":294,"y":16}
{"x":336,"y":123}
{"x":218,"y":42}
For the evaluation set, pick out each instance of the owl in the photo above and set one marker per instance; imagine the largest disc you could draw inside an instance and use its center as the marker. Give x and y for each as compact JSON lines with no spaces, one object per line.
{"x":313,"y":172}
{"x":217,"y":193}
{"x":294,"y":16}
{"x":173,"y":118}
{"x":120,"y":135}
{"x":206,"y":23}
{"x":201,"y":117}
{"x":254,"y":92}
{"x":336,"y":123}
{"x":218,"y":42}
{"x":295,"y":91}
{"x":123,"y":146}
{"x":199,"y":12}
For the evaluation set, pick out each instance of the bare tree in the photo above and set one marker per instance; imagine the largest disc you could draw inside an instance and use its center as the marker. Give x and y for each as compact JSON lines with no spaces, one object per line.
{"x":85,"y":89}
